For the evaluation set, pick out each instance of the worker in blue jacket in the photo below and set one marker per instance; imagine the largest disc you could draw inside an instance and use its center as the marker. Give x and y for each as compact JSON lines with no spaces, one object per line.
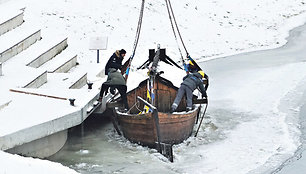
{"x":190,"y":82}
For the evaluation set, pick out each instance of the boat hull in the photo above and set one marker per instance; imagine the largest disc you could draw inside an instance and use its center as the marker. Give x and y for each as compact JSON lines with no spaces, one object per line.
{"x":141,"y":129}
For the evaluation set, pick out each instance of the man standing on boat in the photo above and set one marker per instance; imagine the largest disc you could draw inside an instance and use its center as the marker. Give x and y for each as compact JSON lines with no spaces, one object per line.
{"x":190,"y":83}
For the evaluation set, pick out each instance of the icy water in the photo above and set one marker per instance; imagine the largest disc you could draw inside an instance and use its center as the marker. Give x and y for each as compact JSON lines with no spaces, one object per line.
{"x":225,"y":143}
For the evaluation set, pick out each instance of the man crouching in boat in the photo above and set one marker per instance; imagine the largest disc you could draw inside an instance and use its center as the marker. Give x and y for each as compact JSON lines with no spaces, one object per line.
{"x":115,"y":80}
{"x":190,"y":83}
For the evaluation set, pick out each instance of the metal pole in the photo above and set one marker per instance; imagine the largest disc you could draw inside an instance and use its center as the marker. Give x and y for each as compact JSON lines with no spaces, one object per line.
{"x":201,"y":120}
{"x":0,"y":68}
{"x":97,"y":56}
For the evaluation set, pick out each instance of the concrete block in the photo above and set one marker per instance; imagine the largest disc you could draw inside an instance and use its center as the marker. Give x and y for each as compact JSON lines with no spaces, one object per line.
{"x":43,"y":147}
{"x":49,"y":54}
{"x":80,"y":82}
{"x":38,"y":81}
{"x":11,"y":23}
{"x":40,"y":131}
{"x":20,"y":46}
{"x":65,"y":67}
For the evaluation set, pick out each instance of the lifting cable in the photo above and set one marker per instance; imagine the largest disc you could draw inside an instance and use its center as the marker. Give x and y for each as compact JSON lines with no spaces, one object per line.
{"x":171,"y":15}
{"x":174,"y":33}
{"x":178,"y":31}
{"x":136,"y":39}
{"x":134,"y":47}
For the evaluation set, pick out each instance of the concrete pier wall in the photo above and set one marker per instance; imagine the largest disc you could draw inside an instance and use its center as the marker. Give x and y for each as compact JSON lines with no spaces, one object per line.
{"x":43,"y":147}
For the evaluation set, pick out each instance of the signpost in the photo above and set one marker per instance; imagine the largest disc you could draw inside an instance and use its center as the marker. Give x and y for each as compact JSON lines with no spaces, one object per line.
{"x":98,"y":43}
{"x":0,"y":69}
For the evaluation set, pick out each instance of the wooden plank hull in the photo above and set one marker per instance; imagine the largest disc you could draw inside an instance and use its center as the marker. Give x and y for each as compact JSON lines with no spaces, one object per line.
{"x":140,"y":128}
{"x":174,"y":128}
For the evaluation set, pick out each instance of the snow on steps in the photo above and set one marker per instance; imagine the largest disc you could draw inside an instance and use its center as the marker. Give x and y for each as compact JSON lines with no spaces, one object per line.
{"x":38,"y":81}
{"x":48,"y":54}
{"x":62,"y":62}
{"x":73,"y":80}
{"x":17,"y":40}
{"x":9,"y":21}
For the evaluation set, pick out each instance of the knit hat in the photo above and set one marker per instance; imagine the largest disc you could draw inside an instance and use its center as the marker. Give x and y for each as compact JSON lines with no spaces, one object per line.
{"x":122,"y":51}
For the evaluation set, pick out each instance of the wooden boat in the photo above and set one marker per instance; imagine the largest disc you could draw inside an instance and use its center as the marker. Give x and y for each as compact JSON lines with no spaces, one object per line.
{"x":140,"y":127}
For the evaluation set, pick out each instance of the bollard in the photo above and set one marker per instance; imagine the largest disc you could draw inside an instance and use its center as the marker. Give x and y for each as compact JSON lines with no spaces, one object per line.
{"x":72,"y":101}
{"x":89,"y":85}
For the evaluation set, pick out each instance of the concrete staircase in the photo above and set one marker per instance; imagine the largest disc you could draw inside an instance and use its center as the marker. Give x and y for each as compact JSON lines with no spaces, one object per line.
{"x":30,"y":62}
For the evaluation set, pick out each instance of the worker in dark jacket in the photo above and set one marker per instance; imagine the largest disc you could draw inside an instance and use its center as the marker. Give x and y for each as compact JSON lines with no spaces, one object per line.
{"x":115,"y":61}
{"x":115,"y":80}
{"x":190,"y":83}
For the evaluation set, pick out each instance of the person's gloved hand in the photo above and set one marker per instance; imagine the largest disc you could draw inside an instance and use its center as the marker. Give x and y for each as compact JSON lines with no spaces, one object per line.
{"x":204,"y":95}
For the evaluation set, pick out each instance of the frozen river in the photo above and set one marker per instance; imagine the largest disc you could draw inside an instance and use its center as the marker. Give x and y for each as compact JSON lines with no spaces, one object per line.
{"x":255,"y":122}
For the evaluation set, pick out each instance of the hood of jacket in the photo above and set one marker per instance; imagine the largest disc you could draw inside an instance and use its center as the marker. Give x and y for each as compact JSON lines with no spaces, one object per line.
{"x":118,"y":54}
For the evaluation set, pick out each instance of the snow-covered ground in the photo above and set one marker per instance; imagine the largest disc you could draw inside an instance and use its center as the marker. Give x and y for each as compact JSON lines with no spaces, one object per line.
{"x":210,"y":29}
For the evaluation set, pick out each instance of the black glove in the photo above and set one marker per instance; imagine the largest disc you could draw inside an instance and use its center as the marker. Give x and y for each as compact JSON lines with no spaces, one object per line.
{"x":204,"y":95}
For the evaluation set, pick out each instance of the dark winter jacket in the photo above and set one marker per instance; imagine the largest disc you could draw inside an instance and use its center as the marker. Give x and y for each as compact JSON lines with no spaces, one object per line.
{"x":114,"y":78}
{"x":194,"y":80}
{"x":115,"y":61}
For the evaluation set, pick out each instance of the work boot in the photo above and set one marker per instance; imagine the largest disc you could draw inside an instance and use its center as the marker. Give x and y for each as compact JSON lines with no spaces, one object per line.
{"x":123,"y":110}
{"x":172,"y":110}
{"x":188,"y":109}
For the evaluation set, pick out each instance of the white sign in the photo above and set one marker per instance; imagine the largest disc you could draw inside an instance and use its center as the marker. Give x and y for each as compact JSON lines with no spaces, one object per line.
{"x":98,"y":43}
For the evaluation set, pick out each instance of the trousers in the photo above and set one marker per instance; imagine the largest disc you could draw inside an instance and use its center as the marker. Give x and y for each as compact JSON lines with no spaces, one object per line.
{"x":180,"y":93}
{"x":122,"y":91}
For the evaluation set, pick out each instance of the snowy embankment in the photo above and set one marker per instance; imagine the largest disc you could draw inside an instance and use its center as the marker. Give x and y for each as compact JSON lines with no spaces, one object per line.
{"x":16,"y":164}
{"x":210,"y":29}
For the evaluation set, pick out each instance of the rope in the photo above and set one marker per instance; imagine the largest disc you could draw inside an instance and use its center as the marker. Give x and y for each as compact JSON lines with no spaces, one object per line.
{"x":136,"y":39}
{"x":178,"y":31}
{"x":135,"y":45}
{"x":174,"y":33}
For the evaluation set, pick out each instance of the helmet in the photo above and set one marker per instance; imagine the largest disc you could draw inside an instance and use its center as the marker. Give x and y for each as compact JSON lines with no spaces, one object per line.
{"x":190,"y":62}
{"x":202,"y":73}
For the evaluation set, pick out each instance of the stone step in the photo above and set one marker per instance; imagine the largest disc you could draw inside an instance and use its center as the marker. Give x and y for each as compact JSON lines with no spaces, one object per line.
{"x":73,"y":80}
{"x":9,"y":21}
{"x":17,"y":40}
{"x":49,"y":54}
{"x":61,"y":63}
{"x":38,"y":81}
{"x":80,"y":82}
